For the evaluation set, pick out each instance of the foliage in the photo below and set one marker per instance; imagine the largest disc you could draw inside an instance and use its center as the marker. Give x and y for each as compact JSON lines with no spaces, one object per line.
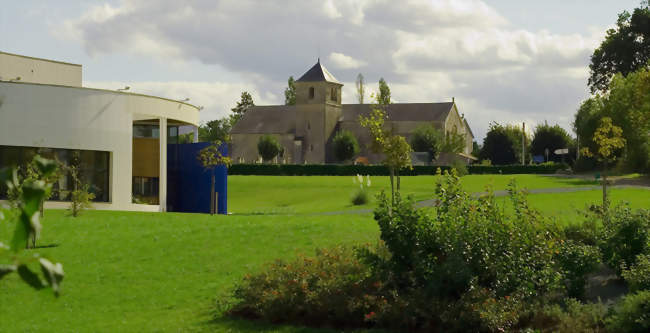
{"x":638,"y":275}
{"x":577,"y":260}
{"x":502,"y":144}
{"x":626,"y":48}
{"x":360,"y":85}
{"x":12,"y":256}
{"x":216,"y":130}
{"x":476,"y":149}
{"x":551,"y":138}
{"x":80,"y":196}
{"x":290,"y":92}
{"x":632,"y":314}
{"x":586,"y":121}
{"x":453,"y":142}
{"x":460,"y":167}
{"x":427,"y":138}
{"x":360,"y":197}
{"x":211,"y":157}
{"x":268,"y":147}
{"x":345,"y":145}
{"x":625,"y":235}
{"x":245,"y":103}
{"x":383,"y":97}
{"x":573,"y":317}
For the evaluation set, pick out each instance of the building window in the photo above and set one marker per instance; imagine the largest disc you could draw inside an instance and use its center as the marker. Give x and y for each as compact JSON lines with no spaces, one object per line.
{"x":308,"y":126}
{"x":145,"y":190}
{"x":311,"y":92}
{"x":146,"y":131}
{"x":333,"y":96}
{"x":93,"y":169}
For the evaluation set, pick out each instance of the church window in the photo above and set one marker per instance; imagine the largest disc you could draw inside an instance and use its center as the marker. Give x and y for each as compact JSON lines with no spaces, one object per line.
{"x":308,"y":126}
{"x":311,"y":92}
{"x":333,"y":94}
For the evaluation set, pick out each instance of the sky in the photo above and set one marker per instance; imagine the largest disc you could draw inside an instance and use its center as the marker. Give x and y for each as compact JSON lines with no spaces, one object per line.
{"x":506,"y":61}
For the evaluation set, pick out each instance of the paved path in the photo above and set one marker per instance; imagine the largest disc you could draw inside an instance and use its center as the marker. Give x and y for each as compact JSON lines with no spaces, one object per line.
{"x":501,"y":193}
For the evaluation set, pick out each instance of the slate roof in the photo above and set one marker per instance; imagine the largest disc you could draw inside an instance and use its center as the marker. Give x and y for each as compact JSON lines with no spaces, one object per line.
{"x":318,"y":73}
{"x":272,"y":119}
{"x":402,"y":111}
{"x":468,"y":128}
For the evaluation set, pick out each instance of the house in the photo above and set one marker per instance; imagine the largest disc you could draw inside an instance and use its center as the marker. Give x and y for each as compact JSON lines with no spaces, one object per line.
{"x":305,"y":130}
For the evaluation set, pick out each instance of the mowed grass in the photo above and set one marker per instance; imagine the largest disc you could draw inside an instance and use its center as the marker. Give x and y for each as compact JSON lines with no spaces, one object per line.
{"x":135,"y":272}
{"x":309,"y":194}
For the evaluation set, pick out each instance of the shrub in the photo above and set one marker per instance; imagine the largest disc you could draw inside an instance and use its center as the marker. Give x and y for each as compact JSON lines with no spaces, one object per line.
{"x":632,"y":314}
{"x":625,"y":235}
{"x":360,"y":197}
{"x":460,"y":167}
{"x":638,"y":276}
{"x":345,"y":145}
{"x":427,"y":138}
{"x":268,"y":147}
{"x":573,"y":317}
{"x":577,"y":260}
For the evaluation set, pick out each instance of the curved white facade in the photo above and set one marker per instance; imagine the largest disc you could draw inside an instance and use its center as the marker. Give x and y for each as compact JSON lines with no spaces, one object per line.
{"x":52,"y":116}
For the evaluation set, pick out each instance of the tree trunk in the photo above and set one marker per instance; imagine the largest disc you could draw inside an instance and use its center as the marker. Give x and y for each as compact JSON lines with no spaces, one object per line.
{"x":392,"y":186}
{"x":212,"y":196}
{"x":398,"y":182}
{"x":605,"y":200}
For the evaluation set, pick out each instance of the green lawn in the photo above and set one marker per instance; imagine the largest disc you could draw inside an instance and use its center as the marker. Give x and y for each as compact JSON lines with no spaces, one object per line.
{"x":137,"y":272}
{"x":308,"y":194}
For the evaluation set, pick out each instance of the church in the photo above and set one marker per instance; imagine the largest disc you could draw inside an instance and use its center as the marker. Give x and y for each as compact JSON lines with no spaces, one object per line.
{"x":305,"y":130}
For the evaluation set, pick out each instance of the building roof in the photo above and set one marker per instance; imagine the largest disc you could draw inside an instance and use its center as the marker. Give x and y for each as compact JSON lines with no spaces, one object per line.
{"x":318,"y":73}
{"x":402,"y":111}
{"x":272,"y":119}
{"x":468,"y":128}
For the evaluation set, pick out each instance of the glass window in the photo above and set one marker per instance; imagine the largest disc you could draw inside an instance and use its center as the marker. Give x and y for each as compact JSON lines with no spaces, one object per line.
{"x":146,"y":131}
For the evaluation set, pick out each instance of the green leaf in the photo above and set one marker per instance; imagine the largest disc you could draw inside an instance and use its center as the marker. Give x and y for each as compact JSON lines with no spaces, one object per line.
{"x":45,"y":166}
{"x":21,"y":233}
{"x":53,"y":273}
{"x":6,"y":269}
{"x":30,"y":277}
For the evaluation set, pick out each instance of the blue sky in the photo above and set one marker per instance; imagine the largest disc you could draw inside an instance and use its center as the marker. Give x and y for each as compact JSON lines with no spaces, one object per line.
{"x":503,"y":60}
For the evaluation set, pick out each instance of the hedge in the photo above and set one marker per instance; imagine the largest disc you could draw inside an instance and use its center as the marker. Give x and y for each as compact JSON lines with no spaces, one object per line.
{"x":380,"y":170}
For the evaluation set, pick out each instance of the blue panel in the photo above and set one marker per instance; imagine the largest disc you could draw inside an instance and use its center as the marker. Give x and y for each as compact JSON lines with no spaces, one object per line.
{"x":188,"y":183}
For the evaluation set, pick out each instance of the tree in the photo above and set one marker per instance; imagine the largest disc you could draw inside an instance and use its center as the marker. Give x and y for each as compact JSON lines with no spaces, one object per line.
{"x":396,"y":151}
{"x":551,"y":138}
{"x":345,"y":145}
{"x":210,"y":157}
{"x":216,"y":130}
{"x":626,"y":48}
{"x":476,"y":149}
{"x":608,"y":138}
{"x":290,"y":92}
{"x":427,"y":138}
{"x":361,"y":88}
{"x":245,"y":103}
{"x":384,"y":93}
{"x":453,"y":142}
{"x":268,"y":147}
{"x":500,"y":145}
{"x":80,"y":196}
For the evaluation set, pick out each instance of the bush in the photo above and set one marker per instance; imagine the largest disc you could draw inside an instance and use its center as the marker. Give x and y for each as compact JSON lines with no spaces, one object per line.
{"x":360,"y":197}
{"x":632,"y":314}
{"x":638,"y":276}
{"x":427,"y":138}
{"x":460,"y":167}
{"x":268,"y":147}
{"x":626,"y":234}
{"x":573,"y":317}
{"x":345,"y":145}
{"x":577,"y":260}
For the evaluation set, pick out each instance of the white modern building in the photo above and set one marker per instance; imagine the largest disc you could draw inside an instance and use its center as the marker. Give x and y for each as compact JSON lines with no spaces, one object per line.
{"x":117,"y":139}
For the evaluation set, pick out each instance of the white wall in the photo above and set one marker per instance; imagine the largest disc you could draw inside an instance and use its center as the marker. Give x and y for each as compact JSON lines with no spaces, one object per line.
{"x":78,"y":118}
{"x":35,"y":70}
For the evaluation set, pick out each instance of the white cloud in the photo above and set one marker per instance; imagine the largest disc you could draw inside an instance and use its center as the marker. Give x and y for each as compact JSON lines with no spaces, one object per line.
{"x":428,"y":50}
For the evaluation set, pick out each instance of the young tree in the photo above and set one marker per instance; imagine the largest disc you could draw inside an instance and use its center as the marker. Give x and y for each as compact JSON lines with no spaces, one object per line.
{"x":268,"y":147}
{"x":609,"y":140}
{"x":624,"y":50}
{"x":80,"y":197}
{"x":384,"y":93}
{"x":245,"y":103}
{"x":361,"y":88}
{"x":427,"y":138}
{"x":551,"y":138}
{"x":290,"y":92}
{"x":210,"y":157}
{"x":345,"y":145}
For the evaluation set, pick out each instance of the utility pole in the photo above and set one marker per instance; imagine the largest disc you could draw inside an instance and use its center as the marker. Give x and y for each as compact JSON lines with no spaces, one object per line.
{"x":523,"y":143}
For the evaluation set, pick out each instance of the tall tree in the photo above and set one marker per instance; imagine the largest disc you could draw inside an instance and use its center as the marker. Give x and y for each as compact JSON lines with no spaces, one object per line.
{"x":502,"y":144}
{"x":216,"y":130}
{"x":361,"y":88}
{"x":245,"y":102}
{"x":384,"y":93}
{"x":290,"y":92}
{"x":551,"y":138}
{"x":626,"y":48}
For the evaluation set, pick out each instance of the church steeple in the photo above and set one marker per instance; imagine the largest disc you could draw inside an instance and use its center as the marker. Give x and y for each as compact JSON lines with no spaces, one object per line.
{"x":318,"y":73}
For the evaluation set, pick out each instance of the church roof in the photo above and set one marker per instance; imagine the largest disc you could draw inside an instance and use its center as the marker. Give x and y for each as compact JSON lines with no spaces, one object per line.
{"x":272,"y":119}
{"x":318,"y":73}
{"x":436,"y":112}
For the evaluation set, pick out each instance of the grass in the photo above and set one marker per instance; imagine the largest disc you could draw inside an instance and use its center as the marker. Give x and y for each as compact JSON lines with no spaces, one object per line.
{"x":309,"y":194}
{"x":137,"y":272}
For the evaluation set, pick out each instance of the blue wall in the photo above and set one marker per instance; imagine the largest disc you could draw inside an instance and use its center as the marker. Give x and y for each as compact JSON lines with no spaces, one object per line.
{"x":188,"y":183}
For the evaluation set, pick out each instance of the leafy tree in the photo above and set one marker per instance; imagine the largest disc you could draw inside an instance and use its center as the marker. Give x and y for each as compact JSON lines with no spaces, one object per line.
{"x":361,"y":88}
{"x":476,"y":149}
{"x":210,"y":157}
{"x":586,"y":121}
{"x":626,"y":48}
{"x":396,"y":151}
{"x":187,"y":137}
{"x":384,"y":93}
{"x":268,"y":147}
{"x":551,"y":138}
{"x":427,"y":138}
{"x":502,"y":145}
{"x":608,"y":138}
{"x":453,"y":142}
{"x":216,"y":130}
{"x":12,"y":256}
{"x":290,"y":92}
{"x":245,"y":103}
{"x":345,"y":145}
